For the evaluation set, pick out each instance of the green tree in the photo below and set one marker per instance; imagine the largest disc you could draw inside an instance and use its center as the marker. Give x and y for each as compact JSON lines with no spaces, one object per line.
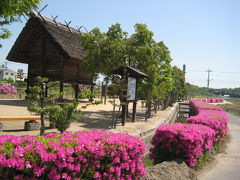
{"x":64,"y":115}
{"x":107,"y":51}
{"x":153,"y":58}
{"x":104,"y":51}
{"x":7,"y":80}
{"x":38,"y":102}
{"x":179,"y":87}
{"x":12,"y":11}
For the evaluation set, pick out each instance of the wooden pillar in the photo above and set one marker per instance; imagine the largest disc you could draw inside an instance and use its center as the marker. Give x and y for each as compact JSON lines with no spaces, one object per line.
{"x":91,"y":99}
{"x":102,"y":92}
{"x":124,"y":98}
{"x":28,"y":85}
{"x":124,"y":114}
{"x":105,"y":92}
{"x":46,"y":91}
{"x":61,"y":91}
{"x":127,"y":113}
{"x":134,"y":111}
{"x":76,"y":88}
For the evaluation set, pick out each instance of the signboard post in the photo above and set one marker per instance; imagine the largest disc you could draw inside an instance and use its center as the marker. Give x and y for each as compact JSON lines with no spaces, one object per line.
{"x":131,"y":89}
{"x":131,"y":94}
{"x":130,"y":76}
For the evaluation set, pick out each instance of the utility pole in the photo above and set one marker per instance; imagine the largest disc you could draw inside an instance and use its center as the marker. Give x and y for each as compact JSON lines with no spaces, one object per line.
{"x":208,"y":79}
{"x":6,"y":63}
{"x":184,"y":69}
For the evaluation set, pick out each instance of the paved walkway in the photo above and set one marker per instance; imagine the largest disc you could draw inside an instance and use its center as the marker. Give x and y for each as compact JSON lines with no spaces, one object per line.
{"x":226,"y":165}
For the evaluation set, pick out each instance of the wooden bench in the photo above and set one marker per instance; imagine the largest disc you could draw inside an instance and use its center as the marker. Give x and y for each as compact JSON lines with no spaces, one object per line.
{"x":31,"y":123}
{"x":19,"y":118}
{"x":184,"y":108}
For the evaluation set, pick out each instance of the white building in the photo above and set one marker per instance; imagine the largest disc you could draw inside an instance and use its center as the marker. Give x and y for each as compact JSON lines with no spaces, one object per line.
{"x":7,"y":73}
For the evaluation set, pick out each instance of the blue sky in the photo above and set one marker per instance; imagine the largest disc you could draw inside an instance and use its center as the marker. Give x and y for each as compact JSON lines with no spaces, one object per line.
{"x":202,"y":34}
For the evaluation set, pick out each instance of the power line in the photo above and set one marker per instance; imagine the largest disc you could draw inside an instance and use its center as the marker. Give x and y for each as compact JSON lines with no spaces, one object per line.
{"x":215,"y":71}
{"x":226,"y":72}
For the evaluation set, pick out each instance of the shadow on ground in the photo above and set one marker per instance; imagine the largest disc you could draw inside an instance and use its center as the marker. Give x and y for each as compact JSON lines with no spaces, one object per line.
{"x":13,"y":130}
{"x":24,"y":103}
{"x":103,"y":119}
{"x":14,"y":102}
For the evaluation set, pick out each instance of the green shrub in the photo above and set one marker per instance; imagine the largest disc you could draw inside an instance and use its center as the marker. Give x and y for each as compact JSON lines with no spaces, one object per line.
{"x":96,"y":102}
{"x":63,"y":116}
{"x":87,"y":94}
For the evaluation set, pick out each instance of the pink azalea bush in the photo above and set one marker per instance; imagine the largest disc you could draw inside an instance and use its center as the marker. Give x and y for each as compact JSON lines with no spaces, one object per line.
{"x":95,"y":154}
{"x":198,"y":105}
{"x":8,"y":89}
{"x":217,"y":120}
{"x":185,"y":141}
{"x":208,"y":100}
{"x":190,"y":142}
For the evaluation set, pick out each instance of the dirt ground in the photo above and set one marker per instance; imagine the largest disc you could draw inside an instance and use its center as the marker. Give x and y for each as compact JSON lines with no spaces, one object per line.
{"x":94,"y":117}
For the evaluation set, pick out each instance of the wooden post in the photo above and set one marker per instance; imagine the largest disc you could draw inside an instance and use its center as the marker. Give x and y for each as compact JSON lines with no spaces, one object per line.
{"x":42,"y":129}
{"x":28,"y":85}
{"x":46,"y":91}
{"x":124,"y":114}
{"x":102,"y":92}
{"x":76,"y":91}
{"x":134,"y":111}
{"x":113,"y":113}
{"x":150,"y":109}
{"x":91,"y":99}
{"x":61,"y":91}
{"x":105,"y":93}
{"x":124,"y":98}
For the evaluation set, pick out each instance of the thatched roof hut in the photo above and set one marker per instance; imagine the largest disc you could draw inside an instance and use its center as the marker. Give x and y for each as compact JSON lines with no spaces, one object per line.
{"x":49,"y":47}
{"x":52,"y":50}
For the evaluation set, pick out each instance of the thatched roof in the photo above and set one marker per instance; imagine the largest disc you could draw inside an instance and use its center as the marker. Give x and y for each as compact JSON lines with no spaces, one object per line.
{"x":66,"y":42}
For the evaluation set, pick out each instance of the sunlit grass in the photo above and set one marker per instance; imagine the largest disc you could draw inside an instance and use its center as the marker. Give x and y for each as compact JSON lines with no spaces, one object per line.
{"x":235,"y":101}
{"x":233,"y":108}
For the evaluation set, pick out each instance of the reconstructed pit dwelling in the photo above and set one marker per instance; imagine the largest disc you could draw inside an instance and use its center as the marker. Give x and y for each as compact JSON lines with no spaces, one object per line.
{"x":51,"y":50}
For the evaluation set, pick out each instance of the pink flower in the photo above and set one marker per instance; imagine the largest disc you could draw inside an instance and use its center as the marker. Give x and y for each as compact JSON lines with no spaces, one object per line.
{"x":8,"y":89}
{"x":97,"y":175}
{"x":77,"y":153}
{"x":28,"y":165}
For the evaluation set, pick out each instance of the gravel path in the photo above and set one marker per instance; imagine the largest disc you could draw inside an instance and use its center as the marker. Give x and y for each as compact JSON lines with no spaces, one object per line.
{"x":226,"y":165}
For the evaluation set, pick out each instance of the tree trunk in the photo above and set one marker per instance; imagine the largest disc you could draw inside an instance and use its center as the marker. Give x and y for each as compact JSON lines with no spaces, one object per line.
{"x":42,"y":128}
{"x":105,"y":93}
{"x":76,"y":91}
{"x":155,"y":107}
{"x":61,"y":92}
{"x":149,"y":109}
{"x":91,"y":99}
{"x":124,"y":114}
{"x":127,"y":112}
{"x":113,"y":114}
{"x":134,"y":111}
{"x":102,"y":92}
{"x":118,"y":115}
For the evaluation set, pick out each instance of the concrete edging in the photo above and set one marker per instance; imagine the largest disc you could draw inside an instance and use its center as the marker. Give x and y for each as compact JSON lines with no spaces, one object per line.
{"x":148,"y":134}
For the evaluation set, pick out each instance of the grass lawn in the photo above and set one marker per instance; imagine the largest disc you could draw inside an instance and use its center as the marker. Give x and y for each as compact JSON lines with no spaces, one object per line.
{"x":233,"y":108}
{"x":235,"y":101}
